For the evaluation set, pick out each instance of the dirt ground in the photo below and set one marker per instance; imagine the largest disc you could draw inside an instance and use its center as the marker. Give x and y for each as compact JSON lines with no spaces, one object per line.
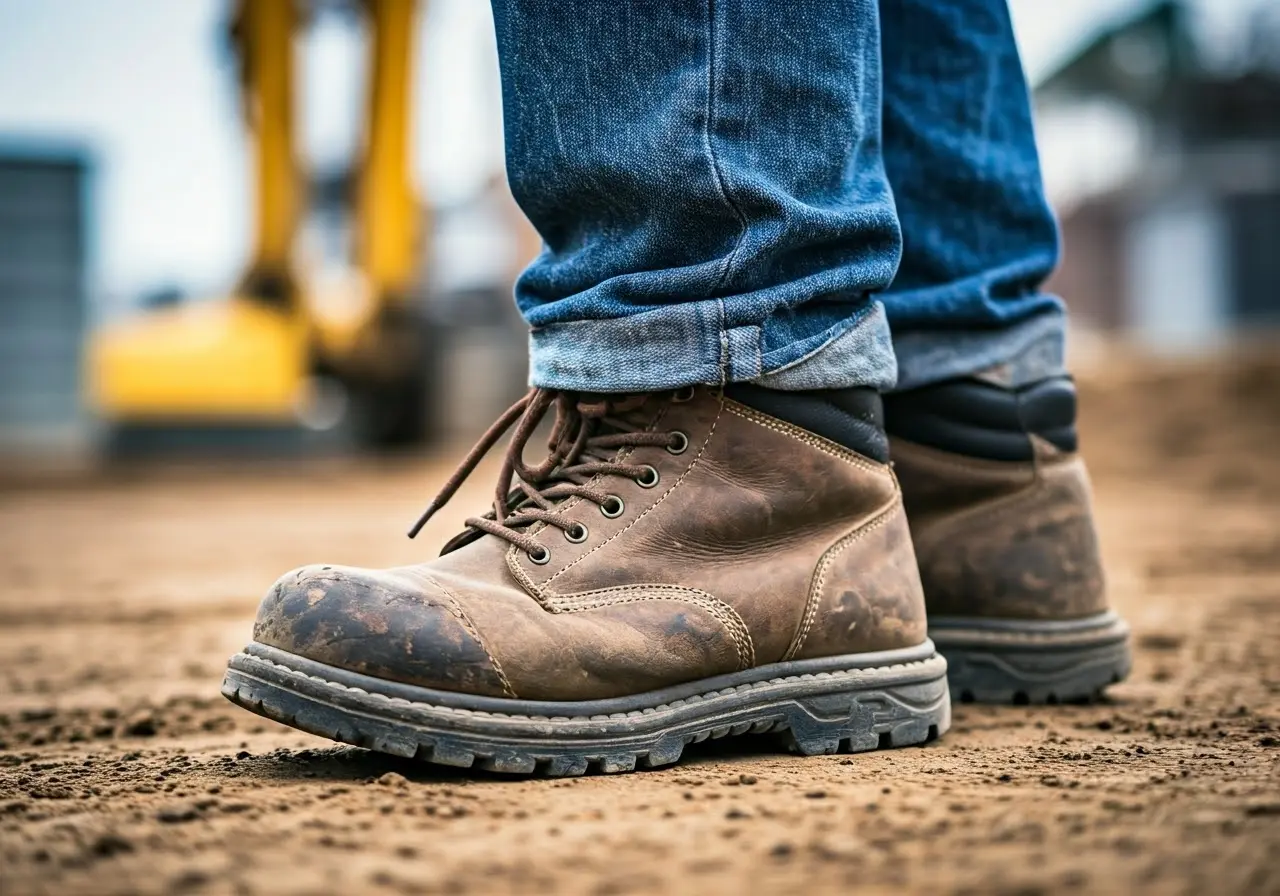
{"x":123,"y":770}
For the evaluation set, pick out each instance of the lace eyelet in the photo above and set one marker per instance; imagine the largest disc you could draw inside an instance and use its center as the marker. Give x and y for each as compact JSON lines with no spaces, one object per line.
{"x":684,"y":394}
{"x":540,"y":559}
{"x":618,"y":507}
{"x":649,"y":478}
{"x":576,"y":534}
{"x":681,"y":445}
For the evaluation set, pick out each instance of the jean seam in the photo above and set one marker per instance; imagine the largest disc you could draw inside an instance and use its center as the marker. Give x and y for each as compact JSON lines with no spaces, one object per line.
{"x":724,"y":342}
{"x":721,"y":182}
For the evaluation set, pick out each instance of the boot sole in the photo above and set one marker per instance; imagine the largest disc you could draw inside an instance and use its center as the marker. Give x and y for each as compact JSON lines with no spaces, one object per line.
{"x":835,"y":704}
{"x":1026,"y":661}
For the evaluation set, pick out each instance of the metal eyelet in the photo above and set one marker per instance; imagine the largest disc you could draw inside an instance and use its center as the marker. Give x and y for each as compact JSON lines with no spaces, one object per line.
{"x":650,"y":477}
{"x":576,"y":534}
{"x":615,"y":502}
{"x":540,"y":559}
{"x":681,"y":445}
{"x":684,"y":394}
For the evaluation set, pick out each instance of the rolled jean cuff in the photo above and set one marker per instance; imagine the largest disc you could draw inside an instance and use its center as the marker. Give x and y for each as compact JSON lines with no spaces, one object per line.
{"x":689,"y":344}
{"x":1010,"y":356}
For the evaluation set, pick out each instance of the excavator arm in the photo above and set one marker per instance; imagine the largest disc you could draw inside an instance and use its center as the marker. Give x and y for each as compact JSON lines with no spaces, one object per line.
{"x":256,"y":355}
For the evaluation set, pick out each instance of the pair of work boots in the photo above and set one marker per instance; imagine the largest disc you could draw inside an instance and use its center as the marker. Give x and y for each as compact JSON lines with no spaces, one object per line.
{"x":693,"y":564}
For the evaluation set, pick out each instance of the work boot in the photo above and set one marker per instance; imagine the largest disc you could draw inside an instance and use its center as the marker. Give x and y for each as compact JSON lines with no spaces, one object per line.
{"x":1000,"y":512}
{"x":681,"y":566}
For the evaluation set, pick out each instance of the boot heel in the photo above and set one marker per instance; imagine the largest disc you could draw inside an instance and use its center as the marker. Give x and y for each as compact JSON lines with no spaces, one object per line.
{"x":1033,"y":662}
{"x":869,"y":719}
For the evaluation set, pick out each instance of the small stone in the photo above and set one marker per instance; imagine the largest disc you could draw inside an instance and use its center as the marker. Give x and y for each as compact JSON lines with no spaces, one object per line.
{"x":192,"y":879}
{"x":177,"y":814}
{"x":141,"y":724}
{"x":110,"y":845}
{"x":392,"y":779}
{"x":747,"y":779}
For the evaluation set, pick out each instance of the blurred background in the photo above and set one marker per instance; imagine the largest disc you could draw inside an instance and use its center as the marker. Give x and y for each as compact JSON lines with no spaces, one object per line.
{"x":235,"y":235}
{"x":232,"y":226}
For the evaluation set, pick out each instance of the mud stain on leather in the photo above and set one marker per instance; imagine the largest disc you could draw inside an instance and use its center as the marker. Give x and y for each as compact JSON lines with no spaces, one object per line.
{"x":1030,"y":551}
{"x":365,"y":624}
{"x":871,"y":595}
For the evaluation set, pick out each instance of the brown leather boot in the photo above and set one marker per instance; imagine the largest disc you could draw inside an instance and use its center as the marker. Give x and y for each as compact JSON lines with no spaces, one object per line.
{"x":1001,"y":517}
{"x":680,"y":567}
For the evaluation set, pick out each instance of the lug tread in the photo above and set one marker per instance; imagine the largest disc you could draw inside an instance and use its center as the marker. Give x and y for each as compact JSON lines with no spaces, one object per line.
{"x":825,"y":723}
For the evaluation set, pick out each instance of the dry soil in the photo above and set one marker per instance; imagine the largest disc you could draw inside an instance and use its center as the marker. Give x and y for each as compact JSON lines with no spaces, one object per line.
{"x":123,"y":770}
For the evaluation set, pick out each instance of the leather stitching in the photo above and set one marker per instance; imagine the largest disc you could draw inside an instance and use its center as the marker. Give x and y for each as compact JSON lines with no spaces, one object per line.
{"x":523,"y":578}
{"x":621,"y":455}
{"x":540,"y":592}
{"x":961,"y":464}
{"x":881,"y":518}
{"x":825,"y":446}
{"x":718,"y":609}
{"x":471,"y":630}
{"x":652,"y":507}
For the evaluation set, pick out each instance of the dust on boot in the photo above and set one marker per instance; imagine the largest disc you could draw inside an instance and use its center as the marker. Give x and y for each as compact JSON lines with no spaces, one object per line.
{"x":681,"y":566}
{"x":1000,"y":510}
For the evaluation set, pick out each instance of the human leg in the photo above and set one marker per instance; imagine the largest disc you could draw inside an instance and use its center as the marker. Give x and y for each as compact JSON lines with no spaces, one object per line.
{"x":694,"y":557}
{"x":708,"y":182}
{"x":979,"y":235}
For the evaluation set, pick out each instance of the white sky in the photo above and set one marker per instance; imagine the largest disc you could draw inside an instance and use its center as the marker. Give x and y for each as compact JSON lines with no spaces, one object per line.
{"x":147,"y":88}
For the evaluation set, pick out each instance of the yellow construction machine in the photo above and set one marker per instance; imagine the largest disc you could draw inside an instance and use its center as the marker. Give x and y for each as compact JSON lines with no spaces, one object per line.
{"x":283,"y":352}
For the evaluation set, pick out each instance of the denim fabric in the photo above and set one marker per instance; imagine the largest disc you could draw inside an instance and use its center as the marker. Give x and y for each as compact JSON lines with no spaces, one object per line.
{"x":709,"y":181}
{"x":979,"y":237}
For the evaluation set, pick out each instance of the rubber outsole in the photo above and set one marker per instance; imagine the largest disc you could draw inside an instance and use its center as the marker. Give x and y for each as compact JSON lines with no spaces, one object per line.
{"x":1032,"y":662}
{"x":836,"y":704}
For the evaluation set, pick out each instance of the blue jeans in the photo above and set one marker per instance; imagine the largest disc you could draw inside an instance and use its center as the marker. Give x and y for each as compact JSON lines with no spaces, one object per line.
{"x":757,"y":191}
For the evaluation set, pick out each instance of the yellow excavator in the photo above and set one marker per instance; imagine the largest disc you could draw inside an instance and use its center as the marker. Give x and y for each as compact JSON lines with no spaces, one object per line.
{"x":282,"y":352}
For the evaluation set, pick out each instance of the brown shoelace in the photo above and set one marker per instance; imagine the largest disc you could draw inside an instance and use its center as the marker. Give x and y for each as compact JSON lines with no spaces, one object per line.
{"x":585,"y":438}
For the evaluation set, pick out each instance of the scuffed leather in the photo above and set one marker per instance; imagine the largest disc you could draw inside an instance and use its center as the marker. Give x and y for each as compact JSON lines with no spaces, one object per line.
{"x":866,"y":592}
{"x":1001,"y":539}
{"x":712,"y":571}
{"x":392,"y":625}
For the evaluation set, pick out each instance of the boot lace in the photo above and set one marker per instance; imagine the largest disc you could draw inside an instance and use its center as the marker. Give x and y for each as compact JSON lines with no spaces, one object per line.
{"x":584,"y":443}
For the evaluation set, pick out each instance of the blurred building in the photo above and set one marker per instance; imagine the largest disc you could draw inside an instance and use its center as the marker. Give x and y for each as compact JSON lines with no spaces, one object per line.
{"x":43,"y":308}
{"x":1183,"y":248}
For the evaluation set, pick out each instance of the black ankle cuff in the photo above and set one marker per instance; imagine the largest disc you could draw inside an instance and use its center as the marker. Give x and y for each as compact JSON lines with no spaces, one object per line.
{"x":853,"y":418}
{"x":978,"y":419}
